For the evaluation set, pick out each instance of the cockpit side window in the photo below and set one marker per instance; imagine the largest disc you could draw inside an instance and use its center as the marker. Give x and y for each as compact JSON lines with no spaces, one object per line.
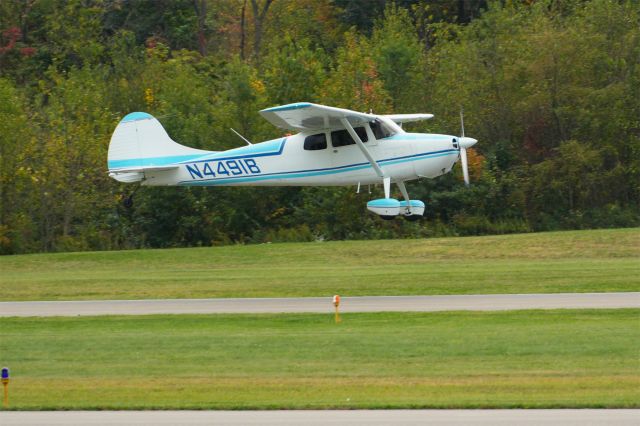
{"x":342,"y":137}
{"x":315,"y":142}
{"x":380,"y":130}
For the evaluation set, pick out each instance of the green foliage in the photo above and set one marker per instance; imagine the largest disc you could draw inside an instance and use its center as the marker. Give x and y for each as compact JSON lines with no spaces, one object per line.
{"x":74,"y":191}
{"x":315,"y":21}
{"x":531,"y":81}
{"x":244,"y":94}
{"x":550,"y":89}
{"x":171,"y":21}
{"x":302,"y":66}
{"x":353,"y":82}
{"x":400,"y":59}
{"x":15,"y":136}
{"x":74,"y":33}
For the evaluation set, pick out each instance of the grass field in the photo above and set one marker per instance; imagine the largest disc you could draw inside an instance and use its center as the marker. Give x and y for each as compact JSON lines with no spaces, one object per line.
{"x":571,"y":358}
{"x":576,"y":261}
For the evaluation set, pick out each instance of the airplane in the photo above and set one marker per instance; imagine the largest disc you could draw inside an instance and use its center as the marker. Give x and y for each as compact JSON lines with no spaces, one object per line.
{"x":334,"y":147}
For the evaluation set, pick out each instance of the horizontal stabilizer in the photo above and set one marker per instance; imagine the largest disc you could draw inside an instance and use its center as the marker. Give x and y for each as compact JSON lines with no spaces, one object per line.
{"x":143,"y":169}
{"x":127,"y":177}
{"x":136,"y":174}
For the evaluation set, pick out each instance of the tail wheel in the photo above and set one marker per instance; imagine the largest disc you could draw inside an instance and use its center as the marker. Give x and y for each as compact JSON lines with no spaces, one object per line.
{"x":128,"y":202}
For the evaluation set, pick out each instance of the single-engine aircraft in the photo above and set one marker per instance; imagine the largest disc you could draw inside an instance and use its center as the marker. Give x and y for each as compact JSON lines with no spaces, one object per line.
{"x":334,"y":147}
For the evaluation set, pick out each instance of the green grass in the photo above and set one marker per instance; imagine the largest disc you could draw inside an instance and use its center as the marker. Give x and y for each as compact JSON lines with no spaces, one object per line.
{"x":576,"y":261}
{"x":566,"y":358}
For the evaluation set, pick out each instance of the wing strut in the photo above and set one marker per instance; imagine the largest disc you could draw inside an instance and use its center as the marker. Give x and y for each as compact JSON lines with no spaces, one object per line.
{"x":386,"y":180}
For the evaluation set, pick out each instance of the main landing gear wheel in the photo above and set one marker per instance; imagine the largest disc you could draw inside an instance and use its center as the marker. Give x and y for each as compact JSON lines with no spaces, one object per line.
{"x":388,"y":208}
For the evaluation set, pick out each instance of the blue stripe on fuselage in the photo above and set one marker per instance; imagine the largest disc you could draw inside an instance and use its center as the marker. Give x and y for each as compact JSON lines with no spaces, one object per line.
{"x":263,"y":149}
{"x":317,"y":172}
{"x":151,"y":162}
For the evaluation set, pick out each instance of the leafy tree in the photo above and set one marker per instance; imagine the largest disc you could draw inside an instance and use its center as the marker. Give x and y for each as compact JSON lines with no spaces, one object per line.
{"x":549,"y":88}
{"x":15,"y":179}
{"x":353,"y":82}
{"x":567,"y":186}
{"x":315,"y":22}
{"x":293,"y":72}
{"x":176,"y":23}
{"x":399,"y":59}
{"x":74,"y":32}
{"x":243,"y":95}
{"x":74,"y":190}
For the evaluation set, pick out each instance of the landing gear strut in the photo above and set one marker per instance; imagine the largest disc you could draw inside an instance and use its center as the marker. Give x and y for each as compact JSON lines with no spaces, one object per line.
{"x":411,"y":210}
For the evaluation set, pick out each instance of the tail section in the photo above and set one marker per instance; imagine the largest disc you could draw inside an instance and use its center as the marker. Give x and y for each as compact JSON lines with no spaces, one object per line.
{"x":140,"y":143}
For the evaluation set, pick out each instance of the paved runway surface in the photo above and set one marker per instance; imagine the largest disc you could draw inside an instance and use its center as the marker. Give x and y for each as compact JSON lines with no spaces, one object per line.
{"x":489,"y":302}
{"x":335,"y":417}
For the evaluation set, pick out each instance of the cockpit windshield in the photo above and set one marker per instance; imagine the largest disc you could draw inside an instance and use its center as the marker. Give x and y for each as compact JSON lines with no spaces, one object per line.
{"x":380,"y":129}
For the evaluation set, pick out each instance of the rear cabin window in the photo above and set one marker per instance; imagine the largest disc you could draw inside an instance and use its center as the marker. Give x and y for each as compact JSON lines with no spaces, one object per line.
{"x":315,"y":142}
{"x":342,"y":137}
{"x":380,"y":130}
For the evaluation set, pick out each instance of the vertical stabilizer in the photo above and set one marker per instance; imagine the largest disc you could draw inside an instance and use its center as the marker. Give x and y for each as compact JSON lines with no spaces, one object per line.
{"x":138,"y":142}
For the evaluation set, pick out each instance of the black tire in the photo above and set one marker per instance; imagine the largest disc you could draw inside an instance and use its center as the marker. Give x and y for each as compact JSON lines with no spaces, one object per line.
{"x":128,"y":202}
{"x":387,"y":217}
{"x":412,"y":217}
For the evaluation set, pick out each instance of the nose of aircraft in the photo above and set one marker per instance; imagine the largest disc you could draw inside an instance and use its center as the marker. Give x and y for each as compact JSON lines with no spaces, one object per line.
{"x":467,"y":142}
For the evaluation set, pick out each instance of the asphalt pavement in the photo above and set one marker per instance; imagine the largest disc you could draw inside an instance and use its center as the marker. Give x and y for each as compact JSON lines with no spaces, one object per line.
{"x":479,"y":302}
{"x":566,"y":417}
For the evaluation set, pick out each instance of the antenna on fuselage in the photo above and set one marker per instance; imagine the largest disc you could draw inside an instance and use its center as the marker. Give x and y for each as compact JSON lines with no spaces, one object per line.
{"x":241,"y":137}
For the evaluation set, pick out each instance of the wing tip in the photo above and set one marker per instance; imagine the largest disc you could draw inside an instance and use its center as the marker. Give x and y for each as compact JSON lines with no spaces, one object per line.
{"x":296,"y":105}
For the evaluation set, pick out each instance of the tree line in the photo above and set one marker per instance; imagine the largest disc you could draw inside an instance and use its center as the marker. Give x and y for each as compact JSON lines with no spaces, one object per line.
{"x":550,"y":89}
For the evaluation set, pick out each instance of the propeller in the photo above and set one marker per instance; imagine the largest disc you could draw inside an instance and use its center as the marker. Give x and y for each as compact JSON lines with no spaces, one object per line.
{"x":464,"y":143}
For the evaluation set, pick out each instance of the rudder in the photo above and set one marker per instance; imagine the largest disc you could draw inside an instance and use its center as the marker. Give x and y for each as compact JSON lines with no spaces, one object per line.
{"x":138,"y":142}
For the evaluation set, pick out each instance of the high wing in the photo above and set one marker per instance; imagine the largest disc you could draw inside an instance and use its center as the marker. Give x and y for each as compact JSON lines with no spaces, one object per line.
{"x":307,"y":116}
{"x":406,"y":118}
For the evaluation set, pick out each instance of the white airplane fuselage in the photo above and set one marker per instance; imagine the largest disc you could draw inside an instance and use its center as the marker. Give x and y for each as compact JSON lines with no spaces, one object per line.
{"x":285,"y":162}
{"x":336,"y":147}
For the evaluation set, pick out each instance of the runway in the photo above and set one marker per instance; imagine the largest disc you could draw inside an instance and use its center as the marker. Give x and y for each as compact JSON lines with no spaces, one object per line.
{"x":484,"y":302}
{"x":567,"y":417}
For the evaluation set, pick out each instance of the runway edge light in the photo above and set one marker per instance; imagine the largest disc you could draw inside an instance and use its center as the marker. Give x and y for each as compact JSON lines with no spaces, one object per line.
{"x":5,"y":384}
{"x":336,"y":303}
